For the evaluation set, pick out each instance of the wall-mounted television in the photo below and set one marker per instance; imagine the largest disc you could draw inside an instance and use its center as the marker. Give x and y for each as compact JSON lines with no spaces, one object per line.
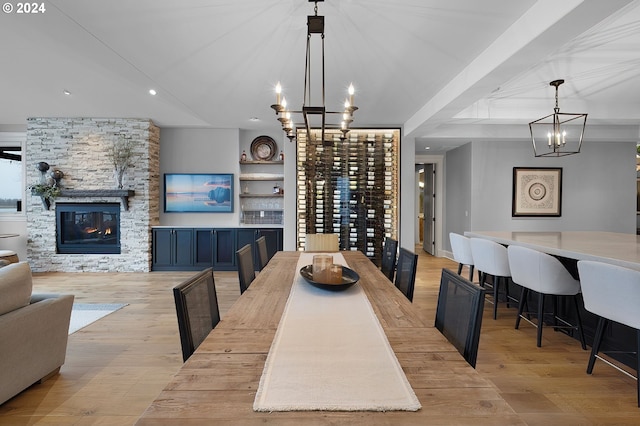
{"x":198,"y":192}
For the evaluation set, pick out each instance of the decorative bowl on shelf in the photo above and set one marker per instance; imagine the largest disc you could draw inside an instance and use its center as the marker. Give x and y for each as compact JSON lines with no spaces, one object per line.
{"x":349,"y":278}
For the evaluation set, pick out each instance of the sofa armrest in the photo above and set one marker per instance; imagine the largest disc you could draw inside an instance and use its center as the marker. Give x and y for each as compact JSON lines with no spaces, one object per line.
{"x":33,"y":342}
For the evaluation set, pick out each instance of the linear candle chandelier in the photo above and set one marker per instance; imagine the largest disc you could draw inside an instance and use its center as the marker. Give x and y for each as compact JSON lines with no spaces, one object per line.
{"x":313,"y":116}
{"x":557,"y":134}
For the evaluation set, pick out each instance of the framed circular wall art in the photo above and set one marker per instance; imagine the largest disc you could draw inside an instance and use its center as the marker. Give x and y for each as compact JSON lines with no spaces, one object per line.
{"x":537,"y":191}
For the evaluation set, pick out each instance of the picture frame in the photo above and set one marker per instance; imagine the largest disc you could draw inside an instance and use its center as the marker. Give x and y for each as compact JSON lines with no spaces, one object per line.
{"x":198,"y":192}
{"x":537,"y":191}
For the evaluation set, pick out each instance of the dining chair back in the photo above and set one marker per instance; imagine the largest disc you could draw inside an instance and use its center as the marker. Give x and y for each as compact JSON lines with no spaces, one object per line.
{"x":406,"y":272}
{"x":321,"y":242}
{"x":459,"y":313}
{"x":613,"y":293}
{"x":197,"y":309}
{"x":491,"y":259}
{"x":246,"y":270}
{"x":545,"y":275}
{"x":389,"y":256}
{"x":461,"y":248}
{"x":263,"y":254}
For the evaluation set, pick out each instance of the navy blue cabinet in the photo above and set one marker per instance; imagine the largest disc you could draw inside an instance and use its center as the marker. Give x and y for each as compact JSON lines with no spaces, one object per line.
{"x":224,"y":258}
{"x":204,"y":248}
{"x":172,"y":248}
{"x":191,"y":249}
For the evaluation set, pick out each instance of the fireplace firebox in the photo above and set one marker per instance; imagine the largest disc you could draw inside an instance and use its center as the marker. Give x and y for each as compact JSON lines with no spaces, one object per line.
{"x":88,"y":228}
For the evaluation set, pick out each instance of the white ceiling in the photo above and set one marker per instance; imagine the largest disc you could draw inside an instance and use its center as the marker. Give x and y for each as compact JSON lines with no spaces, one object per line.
{"x":447,"y":71}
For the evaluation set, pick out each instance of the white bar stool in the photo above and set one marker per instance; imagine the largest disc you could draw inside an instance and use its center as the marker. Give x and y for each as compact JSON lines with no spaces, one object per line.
{"x":545,"y":275}
{"x":491,"y":258}
{"x":461,"y":249}
{"x":613,"y":293}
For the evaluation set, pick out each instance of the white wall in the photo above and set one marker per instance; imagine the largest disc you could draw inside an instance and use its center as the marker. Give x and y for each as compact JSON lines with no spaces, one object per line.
{"x":192,"y":150}
{"x":407,"y":203}
{"x":458,"y":192}
{"x":598,"y":188}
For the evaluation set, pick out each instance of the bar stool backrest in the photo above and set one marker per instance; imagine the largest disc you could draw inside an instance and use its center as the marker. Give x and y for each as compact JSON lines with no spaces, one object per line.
{"x":490,"y":257}
{"x":540,"y":272}
{"x":611,"y":291}
{"x":461,"y":248}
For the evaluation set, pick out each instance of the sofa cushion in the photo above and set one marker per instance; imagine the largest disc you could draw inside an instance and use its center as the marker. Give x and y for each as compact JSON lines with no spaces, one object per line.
{"x":15,"y":287}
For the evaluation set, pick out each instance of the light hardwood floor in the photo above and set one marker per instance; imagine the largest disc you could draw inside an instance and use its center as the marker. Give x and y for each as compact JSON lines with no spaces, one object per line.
{"x":118,"y":365}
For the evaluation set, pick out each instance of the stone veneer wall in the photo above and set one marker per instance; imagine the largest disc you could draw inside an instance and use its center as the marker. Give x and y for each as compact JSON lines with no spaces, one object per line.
{"x":78,"y":147}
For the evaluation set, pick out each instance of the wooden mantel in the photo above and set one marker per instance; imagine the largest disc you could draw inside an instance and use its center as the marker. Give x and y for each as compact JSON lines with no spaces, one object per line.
{"x":124,"y":194}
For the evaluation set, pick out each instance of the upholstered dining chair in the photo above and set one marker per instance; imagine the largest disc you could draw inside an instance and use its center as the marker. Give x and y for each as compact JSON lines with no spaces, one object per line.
{"x":263,"y":254}
{"x":389,"y":256}
{"x":321,"y":242}
{"x":545,"y":275}
{"x":246,"y":270}
{"x":613,"y":293}
{"x":406,"y":272}
{"x":461,"y":248}
{"x":491,"y":258}
{"x":197,"y":309}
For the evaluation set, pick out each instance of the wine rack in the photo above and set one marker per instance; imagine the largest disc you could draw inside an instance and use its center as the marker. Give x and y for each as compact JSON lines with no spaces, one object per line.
{"x":349,"y":188}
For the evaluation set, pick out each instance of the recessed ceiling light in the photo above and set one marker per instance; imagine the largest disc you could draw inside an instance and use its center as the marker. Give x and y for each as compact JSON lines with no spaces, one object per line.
{"x":66,"y":92}
{"x":254,"y":119}
{"x":427,"y":147}
{"x":152,"y":92}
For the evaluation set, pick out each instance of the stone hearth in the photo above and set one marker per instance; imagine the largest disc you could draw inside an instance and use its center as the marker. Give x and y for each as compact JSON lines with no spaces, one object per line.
{"x":78,"y":147}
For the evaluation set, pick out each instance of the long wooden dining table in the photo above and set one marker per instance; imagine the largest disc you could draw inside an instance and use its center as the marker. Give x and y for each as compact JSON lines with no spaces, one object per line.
{"x":218,"y":383}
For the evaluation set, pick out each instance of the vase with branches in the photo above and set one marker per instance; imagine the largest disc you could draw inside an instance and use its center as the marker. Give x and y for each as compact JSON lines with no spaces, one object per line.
{"x":121,"y":155}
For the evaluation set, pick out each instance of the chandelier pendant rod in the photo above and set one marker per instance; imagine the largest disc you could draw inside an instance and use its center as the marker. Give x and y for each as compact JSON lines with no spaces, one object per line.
{"x":315,"y":25}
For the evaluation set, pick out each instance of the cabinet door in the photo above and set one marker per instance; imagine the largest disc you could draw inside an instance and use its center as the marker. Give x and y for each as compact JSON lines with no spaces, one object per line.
{"x":203,"y":247}
{"x":224,"y":257}
{"x":162,"y":248}
{"x":273,"y":238}
{"x":183,"y":245}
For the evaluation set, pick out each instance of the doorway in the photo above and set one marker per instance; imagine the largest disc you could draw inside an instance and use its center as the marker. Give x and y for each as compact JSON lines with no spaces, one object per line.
{"x":434,"y":187}
{"x":426,"y":214}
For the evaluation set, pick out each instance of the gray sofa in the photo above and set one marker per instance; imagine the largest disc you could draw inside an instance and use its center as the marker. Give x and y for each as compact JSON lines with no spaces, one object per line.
{"x":33,"y":331}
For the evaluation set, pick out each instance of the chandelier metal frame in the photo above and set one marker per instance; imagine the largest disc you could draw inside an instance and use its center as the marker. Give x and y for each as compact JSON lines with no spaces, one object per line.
{"x":553,"y":130}
{"x":315,"y":26}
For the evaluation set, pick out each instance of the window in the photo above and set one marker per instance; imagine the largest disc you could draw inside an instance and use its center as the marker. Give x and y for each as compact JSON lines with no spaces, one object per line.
{"x":11,"y":175}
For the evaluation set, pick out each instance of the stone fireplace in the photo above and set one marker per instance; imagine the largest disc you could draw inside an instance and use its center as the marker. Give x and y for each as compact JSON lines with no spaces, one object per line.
{"x":78,"y":147}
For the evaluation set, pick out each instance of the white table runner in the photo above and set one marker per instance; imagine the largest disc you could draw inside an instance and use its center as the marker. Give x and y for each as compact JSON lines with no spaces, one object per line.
{"x":331,"y":353}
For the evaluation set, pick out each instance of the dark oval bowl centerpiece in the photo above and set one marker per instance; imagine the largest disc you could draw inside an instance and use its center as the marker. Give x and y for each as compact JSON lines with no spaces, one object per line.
{"x":349,"y":278}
